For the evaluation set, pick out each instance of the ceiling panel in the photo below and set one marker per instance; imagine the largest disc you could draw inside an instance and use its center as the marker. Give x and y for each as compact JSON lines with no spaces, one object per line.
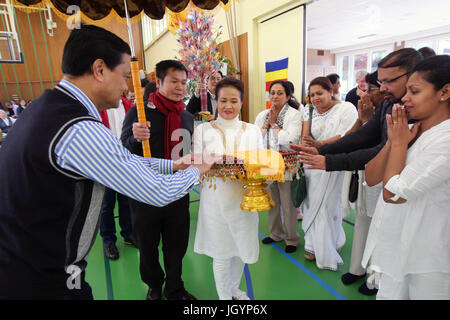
{"x":334,"y":24}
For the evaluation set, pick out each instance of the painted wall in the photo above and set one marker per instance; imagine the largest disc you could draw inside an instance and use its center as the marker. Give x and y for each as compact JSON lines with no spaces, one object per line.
{"x":163,"y":48}
{"x":328,"y":59}
{"x":249,"y":12}
{"x":43,"y":54}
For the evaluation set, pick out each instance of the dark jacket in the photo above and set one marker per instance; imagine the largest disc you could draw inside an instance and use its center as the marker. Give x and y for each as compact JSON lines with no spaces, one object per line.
{"x":6,"y":124}
{"x":355,"y":150}
{"x":194,"y":105}
{"x":353,"y":97}
{"x":44,"y":208}
{"x":157,"y":129}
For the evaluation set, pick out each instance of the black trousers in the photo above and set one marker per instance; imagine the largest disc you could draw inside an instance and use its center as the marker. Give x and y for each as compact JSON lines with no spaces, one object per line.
{"x":171,"y":224}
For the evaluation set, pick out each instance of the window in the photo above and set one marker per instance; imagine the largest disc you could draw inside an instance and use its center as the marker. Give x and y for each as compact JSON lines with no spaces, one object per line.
{"x":344,"y":73}
{"x":444,"y":47}
{"x":377,"y":56}
{"x":147,"y":30}
{"x":440,"y":44}
{"x":360,"y":63}
{"x":350,"y":63}
{"x":419,"y":45}
{"x":160,"y":25}
{"x":152,"y":28}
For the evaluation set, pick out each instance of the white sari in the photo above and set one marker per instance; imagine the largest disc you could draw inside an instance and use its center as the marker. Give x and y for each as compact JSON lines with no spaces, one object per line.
{"x":322,"y":221}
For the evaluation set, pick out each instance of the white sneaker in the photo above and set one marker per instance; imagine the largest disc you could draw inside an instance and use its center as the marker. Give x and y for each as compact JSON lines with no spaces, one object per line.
{"x":240,"y":295}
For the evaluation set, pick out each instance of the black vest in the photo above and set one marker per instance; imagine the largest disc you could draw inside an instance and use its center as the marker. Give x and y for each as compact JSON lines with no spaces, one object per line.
{"x":44,"y":209}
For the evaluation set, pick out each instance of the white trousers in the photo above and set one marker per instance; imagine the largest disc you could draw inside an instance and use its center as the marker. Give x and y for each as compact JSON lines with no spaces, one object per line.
{"x":424,"y":286}
{"x":227,"y":275}
{"x":360,"y":231}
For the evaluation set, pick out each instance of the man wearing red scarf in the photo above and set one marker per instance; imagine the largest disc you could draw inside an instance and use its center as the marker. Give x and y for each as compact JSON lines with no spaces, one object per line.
{"x":166,"y":115}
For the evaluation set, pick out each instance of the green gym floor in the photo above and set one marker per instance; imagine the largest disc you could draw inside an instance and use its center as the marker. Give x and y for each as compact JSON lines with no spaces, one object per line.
{"x":276,"y":276}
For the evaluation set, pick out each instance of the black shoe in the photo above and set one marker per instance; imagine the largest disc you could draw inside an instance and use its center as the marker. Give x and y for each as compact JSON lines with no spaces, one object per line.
{"x":349,"y":278}
{"x":290,"y":249}
{"x":111,"y":251}
{"x":184,"y":296}
{"x":130,"y":241}
{"x":268,"y":240}
{"x":154,"y":294}
{"x":366,"y":291}
{"x":187,"y":296}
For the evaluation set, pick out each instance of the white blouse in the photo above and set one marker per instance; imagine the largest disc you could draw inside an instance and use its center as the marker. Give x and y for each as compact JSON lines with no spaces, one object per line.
{"x":290,"y":133}
{"x":414,"y":237}
{"x":224,"y":230}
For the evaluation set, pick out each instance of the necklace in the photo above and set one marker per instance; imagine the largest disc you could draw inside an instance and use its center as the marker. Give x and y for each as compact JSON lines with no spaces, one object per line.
{"x":224,"y":139}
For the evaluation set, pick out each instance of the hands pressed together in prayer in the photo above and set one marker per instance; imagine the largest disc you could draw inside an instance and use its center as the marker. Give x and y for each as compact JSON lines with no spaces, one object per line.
{"x":399,"y":133}
{"x":365,"y":108}
{"x":272,"y":120}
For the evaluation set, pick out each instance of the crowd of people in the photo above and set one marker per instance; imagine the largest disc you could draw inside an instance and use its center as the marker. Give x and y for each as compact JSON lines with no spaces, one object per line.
{"x":392,"y":135}
{"x":10,"y":112}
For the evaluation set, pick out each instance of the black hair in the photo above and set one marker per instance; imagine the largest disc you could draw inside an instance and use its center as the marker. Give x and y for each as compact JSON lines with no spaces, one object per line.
{"x":218,"y":71}
{"x":435,"y":70}
{"x":144,"y":82}
{"x":291,"y":86}
{"x":372,"y":78}
{"x":427,"y":52}
{"x":286,"y":87}
{"x":163,"y":66}
{"x":293,"y":102}
{"x":89,"y":43}
{"x":230,"y":82}
{"x":333,"y":77}
{"x":149,"y":88}
{"x":406,"y":58}
{"x":324,"y":82}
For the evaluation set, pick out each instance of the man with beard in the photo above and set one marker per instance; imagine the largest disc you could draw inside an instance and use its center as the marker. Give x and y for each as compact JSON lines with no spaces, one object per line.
{"x":357,"y":148}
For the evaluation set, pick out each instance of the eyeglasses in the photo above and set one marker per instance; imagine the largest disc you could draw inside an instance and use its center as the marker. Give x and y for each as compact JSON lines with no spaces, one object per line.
{"x":361,"y":89}
{"x":388,"y":81}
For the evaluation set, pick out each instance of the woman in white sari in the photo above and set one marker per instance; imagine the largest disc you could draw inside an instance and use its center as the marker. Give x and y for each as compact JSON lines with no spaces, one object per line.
{"x":322,"y":221}
{"x":408,"y":241}
{"x":225,"y":232}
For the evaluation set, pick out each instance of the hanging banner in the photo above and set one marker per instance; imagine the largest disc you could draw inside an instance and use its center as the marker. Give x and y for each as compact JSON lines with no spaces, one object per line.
{"x":275,"y":70}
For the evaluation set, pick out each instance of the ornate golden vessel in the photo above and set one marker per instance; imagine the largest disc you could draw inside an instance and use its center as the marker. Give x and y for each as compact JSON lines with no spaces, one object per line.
{"x":272,"y":166}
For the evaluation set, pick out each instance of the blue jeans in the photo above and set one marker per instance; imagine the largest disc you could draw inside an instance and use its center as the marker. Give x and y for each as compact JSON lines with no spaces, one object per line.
{"x":107,"y":224}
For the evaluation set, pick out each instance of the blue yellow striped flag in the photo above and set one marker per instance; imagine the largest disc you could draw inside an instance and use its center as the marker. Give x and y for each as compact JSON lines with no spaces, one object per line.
{"x":275,"y":70}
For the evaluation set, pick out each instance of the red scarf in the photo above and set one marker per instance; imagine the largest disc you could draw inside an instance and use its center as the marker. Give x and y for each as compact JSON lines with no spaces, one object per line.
{"x":172,"y":111}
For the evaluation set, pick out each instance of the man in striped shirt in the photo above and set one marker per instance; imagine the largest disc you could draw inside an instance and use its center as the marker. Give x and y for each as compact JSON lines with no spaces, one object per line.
{"x":54,"y":169}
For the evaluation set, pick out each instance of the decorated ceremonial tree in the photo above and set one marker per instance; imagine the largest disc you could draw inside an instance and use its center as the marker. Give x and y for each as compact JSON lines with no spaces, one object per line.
{"x":199,"y":50}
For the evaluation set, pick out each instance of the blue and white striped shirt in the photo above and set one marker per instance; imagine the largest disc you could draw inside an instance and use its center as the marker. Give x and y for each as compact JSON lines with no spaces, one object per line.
{"x":88,"y":148}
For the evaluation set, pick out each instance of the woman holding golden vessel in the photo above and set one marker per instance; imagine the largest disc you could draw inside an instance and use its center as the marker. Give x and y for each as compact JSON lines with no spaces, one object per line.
{"x":224,"y":231}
